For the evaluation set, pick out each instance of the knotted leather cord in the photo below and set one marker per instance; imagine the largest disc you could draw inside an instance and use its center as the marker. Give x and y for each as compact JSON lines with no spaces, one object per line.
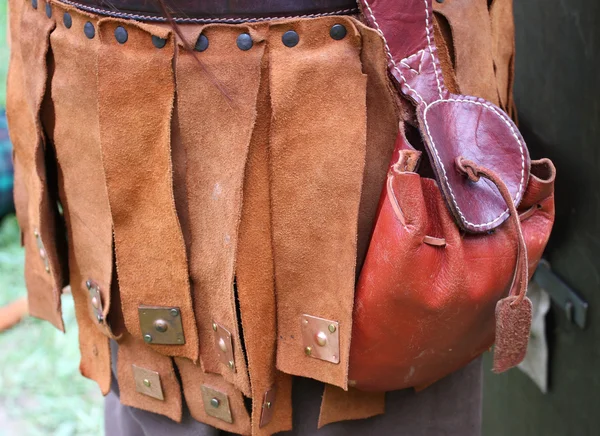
{"x":474,"y":172}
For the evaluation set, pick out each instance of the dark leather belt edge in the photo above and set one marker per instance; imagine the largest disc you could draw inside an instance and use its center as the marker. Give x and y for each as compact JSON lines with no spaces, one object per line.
{"x":213,"y":11}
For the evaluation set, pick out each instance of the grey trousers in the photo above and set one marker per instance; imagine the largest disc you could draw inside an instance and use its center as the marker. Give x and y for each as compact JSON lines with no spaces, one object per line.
{"x":450,"y":407}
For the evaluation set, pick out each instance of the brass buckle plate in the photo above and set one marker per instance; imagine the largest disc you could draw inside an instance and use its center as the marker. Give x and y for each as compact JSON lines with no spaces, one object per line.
{"x":147,"y":382}
{"x":224,"y":345}
{"x":161,"y":325}
{"x":268,"y":408}
{"x":95,"y":300}
{"x":42,"y":250}
{"x":321,"y":338}
{"x":216,"y":404}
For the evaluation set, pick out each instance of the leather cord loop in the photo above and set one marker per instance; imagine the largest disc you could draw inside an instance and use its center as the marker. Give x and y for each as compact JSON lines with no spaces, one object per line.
{"x":474,"y":173}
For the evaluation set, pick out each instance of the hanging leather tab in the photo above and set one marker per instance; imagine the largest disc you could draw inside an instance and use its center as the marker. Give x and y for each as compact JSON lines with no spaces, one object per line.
{"x":83,"y":191}
{"x":318,"y":146}
{"x":216,"y":154}
{"x":35,"y":195}
{"x":135,"y":138}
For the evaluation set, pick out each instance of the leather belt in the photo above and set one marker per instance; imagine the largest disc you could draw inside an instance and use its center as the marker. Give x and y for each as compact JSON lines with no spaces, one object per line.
{"x":205,"y":11}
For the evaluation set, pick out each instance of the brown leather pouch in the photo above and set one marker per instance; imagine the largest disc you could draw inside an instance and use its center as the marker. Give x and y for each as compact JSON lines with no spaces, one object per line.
{"x":456,"y":240}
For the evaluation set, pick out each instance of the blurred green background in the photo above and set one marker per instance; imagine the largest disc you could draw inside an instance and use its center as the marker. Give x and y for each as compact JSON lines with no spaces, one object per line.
{"x":41,"y":390}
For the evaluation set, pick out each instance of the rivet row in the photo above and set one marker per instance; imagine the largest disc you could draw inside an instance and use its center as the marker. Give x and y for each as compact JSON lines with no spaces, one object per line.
{"x":243,"y":41}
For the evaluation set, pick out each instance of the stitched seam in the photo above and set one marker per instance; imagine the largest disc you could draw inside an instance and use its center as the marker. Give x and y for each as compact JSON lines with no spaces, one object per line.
{"x":521,"y":147}
{"x":389,"y":52}
{"x":200,"y":20}
{"x":437,"y":77}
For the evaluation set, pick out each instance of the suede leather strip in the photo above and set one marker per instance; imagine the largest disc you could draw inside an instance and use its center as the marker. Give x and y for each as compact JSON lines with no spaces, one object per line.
{"x":254,"y":276}
{"x":503,"y":50}
{"x":74,"y":96}
{"x":472,"y":41}
{"x":318,"y":136}
{"x":193,"y":378}
{"x":135,"y":139}
{"x":382,"y":129}
{"x":340,"y":405}
{"x":72,"y":104}
{"x":36,"y":212}
{"x":133,"y":351}
{"x":216,"y":154}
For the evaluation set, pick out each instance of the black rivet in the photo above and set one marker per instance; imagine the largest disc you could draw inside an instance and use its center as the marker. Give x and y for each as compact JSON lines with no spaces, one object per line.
{"x":89,"y":30}
{"x":290,"y":38}
{"x":48,"y":10}
{"x":158,"y":42}
{"x":201,"y":43}
{"x":67,"y":20}
{"x":34,"y":4}
{"x":338,"y":31}
{"x":121,"y":35}
{"x":244,"y":42}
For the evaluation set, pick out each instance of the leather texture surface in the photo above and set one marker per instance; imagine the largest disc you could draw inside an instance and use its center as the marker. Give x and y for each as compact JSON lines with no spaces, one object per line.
{"x":445,"y":119}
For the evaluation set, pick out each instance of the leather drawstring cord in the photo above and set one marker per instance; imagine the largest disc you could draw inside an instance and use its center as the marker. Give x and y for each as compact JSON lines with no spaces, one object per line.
{"x":474,"y":172}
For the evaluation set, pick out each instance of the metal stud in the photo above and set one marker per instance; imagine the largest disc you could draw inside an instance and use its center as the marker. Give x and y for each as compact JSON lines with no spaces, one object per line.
{"x":244,"y":42}
{"x":147,"y":383}
{"x":88,"y":284}
{"x":222,"y":345}
{"x":89,"y":30}
{"x":332,"y":328}
{"x":290,"y":38}
{"x":147,"y":338}
{"x":338,"y":31}
{"x":48,"y":10}
{"x":201,"y":43}
{"x":121,"y":35}
{"x":308,"y":351}
{"x":95,"y":302}
{"x":321,"y":339}
{"x":214,"y":402}
{"x":158,"y":42}
{"x":34,"y":4}
{"x":214,"y":326}
{"x":174,"y":312}
{"x":67,"y":20}
{"x":160,"y":325}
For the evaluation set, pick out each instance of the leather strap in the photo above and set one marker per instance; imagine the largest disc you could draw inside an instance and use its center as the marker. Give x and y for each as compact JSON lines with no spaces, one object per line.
{"x":204,"y":11}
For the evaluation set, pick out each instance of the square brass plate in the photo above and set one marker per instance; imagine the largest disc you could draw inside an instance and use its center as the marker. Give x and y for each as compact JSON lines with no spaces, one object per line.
{"x":147,"y":382}
{"x":161,"y":325}
{"x":321,"y":338}
{"x":216,"y":404}
{"x":95,"y":301}
{"x":268,"y":407}
{"x":224,"y":345}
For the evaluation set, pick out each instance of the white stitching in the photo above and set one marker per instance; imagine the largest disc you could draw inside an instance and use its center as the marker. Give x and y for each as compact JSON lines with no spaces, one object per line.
{"x":437,"y":77}
{"x":389,"y":53}
{"x":521,"y":146}
{"x":154,"y":18}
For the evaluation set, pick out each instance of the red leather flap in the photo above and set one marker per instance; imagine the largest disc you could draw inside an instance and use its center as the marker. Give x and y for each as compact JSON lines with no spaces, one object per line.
{"x":451,"y":125}
{"x":479,"y":131}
